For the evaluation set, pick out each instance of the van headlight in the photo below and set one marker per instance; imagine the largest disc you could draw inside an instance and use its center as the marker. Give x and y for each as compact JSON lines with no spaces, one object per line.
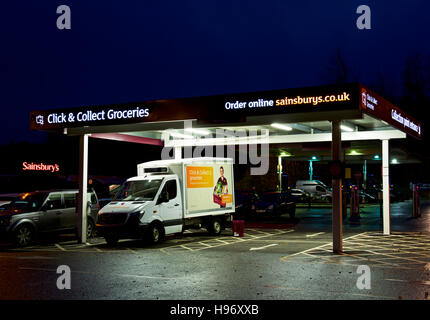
{"x":141,"y":213}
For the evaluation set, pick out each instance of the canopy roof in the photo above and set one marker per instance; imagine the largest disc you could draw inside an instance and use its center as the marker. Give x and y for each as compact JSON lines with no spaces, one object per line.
{"x":279,"y":116}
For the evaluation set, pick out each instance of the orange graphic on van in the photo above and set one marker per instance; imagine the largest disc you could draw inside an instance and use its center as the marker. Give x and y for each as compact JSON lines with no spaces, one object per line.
{"x":200,"y":177}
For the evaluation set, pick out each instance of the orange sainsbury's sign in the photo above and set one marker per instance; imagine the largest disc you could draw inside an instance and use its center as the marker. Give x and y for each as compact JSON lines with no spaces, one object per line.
{"x":31,"y":166}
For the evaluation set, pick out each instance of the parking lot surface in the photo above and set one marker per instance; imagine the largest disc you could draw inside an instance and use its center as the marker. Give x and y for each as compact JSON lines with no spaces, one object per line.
{"x":276,"y":259}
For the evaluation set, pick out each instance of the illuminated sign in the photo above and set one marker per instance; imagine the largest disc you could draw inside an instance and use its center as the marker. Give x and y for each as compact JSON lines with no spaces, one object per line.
{"x":382,"y":109}
{"x":39,"y":120}
{"x":210,"y":109}
{"x":405,"y":121}
{"x":287,"y":101}
{"x":367,"y":100}
{"x":96,"y":116}
{"x":348,"y":101}
{"x":91,"y":116}
{"x":31,"y":166}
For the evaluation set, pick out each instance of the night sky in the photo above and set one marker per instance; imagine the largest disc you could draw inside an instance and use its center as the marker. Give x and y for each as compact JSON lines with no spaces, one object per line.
{"x":125,"y":51}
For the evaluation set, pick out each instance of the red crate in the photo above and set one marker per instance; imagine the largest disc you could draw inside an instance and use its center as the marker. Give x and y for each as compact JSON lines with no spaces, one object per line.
{"x":238,"y":228}
{"x":218,"y":200}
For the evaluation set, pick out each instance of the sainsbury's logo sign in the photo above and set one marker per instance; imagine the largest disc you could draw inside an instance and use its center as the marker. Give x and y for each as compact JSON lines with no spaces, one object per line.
{"x":368,"y":101}
{"x":31,"y":166}
{"x":39,"y":120}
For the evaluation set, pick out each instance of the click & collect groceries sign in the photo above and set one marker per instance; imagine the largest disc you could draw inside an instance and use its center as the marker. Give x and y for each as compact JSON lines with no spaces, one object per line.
{"x":72,"y":118}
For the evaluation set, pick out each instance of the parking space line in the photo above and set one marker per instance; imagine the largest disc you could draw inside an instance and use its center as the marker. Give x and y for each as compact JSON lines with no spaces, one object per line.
{"x":264,"y":247}
{"x":264,"y":236}
{"x":263,"y":232}
{"x":398,"y":252}
{"x":92,"y":247}
{"x":164,"y":251}
{"x":222,"y":241}
{"x":314,"y":235}
{"x":424,"y":283}
{"x":292,"y":241}
{"x":60,"y":247}
{"x":318,"y":247}
{"x":213,"y":243}
{"x":129,"y":249}
{"x":201,"y":242}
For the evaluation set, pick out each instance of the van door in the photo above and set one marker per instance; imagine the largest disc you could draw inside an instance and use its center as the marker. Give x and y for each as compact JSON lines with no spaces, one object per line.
{"x":320,"y":190}
{"x":170,"y":206}
{"x":50,"y":213}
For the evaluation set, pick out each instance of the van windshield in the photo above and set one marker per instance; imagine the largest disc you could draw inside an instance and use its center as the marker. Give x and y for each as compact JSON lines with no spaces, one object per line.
{"x":140,"y":190}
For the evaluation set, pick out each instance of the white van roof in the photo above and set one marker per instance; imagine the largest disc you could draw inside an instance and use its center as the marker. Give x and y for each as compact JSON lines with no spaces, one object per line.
{"x":300,"y":182}
{"x":164,"y":163}
{"x":151,"y":177}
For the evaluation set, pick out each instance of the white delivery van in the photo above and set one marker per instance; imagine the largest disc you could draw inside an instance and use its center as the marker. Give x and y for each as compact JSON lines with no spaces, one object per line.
{"x":314,"y":187}
{"x":169,"y":196}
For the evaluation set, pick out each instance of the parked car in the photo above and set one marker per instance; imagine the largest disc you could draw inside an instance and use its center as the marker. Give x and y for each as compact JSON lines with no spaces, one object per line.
{"x":367,"y":198}
{"x":244,"y":202}
{"x":30,"y":214}
{"x":6,"y":198}
{"x":300,"y":195}
{"x":395,"y":194}
{"x":4,"y":205}
{"x":271,"y":203}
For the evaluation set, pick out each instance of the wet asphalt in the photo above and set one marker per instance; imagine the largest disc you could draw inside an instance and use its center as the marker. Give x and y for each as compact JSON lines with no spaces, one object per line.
{"x":277,"y":259}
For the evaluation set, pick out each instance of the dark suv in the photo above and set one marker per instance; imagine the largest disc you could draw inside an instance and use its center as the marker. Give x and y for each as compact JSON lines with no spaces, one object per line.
{"x":44,"y":211}
{"x":271,"y":203}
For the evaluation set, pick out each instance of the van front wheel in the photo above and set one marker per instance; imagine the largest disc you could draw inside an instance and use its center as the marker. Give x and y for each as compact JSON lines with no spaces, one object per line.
{"x":155,"y":233}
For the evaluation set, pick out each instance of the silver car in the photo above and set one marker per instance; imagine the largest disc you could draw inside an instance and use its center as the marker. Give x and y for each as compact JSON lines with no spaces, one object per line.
{"x":32,"y":213}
